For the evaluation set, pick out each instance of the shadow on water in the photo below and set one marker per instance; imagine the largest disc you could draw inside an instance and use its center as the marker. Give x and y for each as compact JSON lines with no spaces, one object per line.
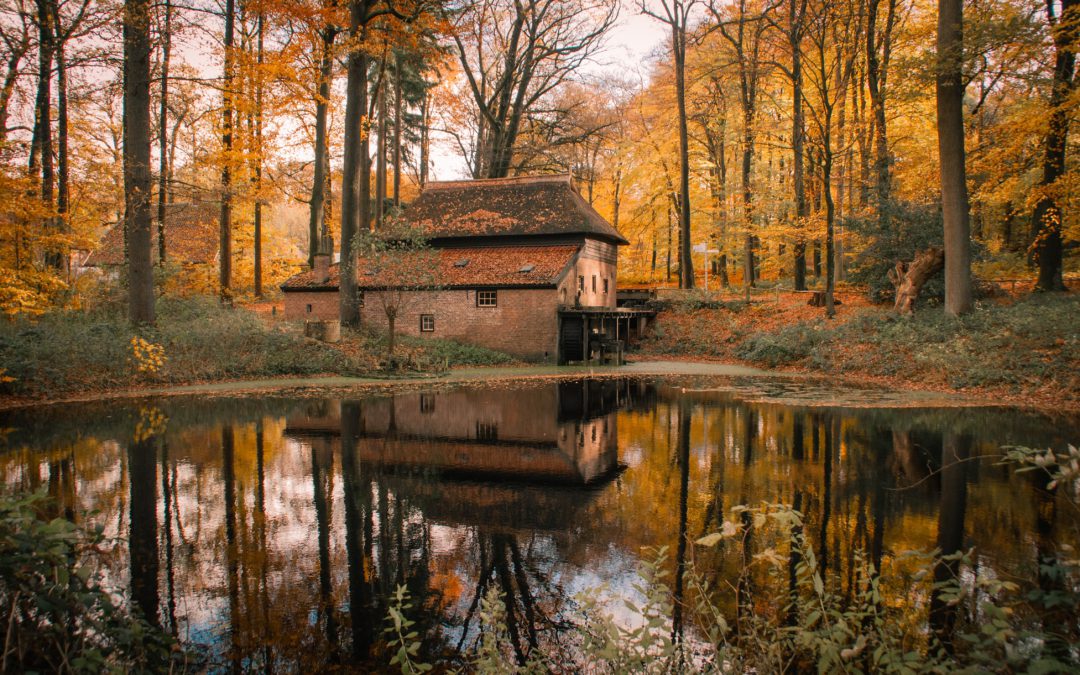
{"x":273,"y":532}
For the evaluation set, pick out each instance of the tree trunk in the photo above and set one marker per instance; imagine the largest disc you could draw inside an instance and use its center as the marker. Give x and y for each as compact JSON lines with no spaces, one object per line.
{"x":380,"y":149}
{"x":798,"y":131}
{"x":43,"y":139}
{"x":258,"y":155}
{"x":954,"y":196}
{"x":391,"y":333}
{"x":425,"y":136}
{"x":397,"y":131}
{"x":137,"y":176}
{"x":1046,"y":246}
{"x":356,"y":165}
{"x":163,"y":130}
{"x":686,"y":265}
{"x":909,"y":278}
{"x":830,"y":216}
{"x":670,"y":226}
{"x":225,"y":222}
{"x":322,"y":149}
{"x":616,"y":199}
{"x":876,"y":74}
{"x":63,"y":189}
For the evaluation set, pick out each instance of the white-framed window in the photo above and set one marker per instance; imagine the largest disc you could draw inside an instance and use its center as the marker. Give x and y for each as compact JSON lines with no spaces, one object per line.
{"x":487,"y":298}
{"x":427,"y":323}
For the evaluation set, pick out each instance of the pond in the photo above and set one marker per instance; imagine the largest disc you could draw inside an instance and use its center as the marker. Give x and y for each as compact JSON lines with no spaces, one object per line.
{"x":271,"y":532}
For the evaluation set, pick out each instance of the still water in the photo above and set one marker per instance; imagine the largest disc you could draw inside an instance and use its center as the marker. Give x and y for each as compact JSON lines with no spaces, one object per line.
{"x":270,"y":532}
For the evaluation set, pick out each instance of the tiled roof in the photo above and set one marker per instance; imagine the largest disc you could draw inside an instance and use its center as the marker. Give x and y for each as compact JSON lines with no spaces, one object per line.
{"x":486,"y":266}
{"x":191,"y":236}
{"x":523,"y":205}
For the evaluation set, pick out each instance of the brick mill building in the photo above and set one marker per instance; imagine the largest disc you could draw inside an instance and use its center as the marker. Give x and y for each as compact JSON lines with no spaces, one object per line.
{"x":526,"y":266}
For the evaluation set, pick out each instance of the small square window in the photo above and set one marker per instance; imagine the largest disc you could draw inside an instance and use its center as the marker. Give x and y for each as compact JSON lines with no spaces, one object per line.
{"x":309,"y":309}
{"x":427,"y":323}
{"x":487,"y":298}
{"x":487,"y":431}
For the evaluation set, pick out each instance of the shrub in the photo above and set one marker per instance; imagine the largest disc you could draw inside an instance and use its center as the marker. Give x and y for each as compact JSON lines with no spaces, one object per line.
{"x":788,"y":345}
{"x":56,"y":615}
{"x":194,"y":339}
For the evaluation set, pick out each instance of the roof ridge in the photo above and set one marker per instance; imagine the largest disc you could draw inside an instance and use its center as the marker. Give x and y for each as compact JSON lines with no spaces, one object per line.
{"x":509,"y":180}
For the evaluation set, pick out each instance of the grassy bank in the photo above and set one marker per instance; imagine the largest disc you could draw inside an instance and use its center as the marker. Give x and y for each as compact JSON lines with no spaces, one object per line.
{"x":194,"y":340}
{"x":1027,"y":347}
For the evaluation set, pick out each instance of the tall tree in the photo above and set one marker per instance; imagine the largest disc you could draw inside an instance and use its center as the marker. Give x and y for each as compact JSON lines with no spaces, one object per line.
{"x":257,"y":151}
{"x":950,"y":118}
{"x":137,"y":176}
{"x":356,"y":167}
{"x":829,"y":29}
{"x":327,"y":32}
{"x":1047,"y":219}
{"x":793,"y":32}
{"x":514,"y":53}
{"x":744,"y":29}
{"x":227,"y":110}
{"x":676,"y":14}
{"x":878,"y":55}
{"x":163,"y":126}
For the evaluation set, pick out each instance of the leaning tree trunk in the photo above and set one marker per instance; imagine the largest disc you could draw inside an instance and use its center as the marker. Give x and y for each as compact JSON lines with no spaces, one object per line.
{"x":910,"y":277}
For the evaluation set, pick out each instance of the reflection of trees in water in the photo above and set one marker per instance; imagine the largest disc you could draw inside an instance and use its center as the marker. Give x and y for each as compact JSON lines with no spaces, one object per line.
{"x":387,"y":543}
{"x":142,"y":534}
{"x":869,"y":484}
{"x":521,"y":569}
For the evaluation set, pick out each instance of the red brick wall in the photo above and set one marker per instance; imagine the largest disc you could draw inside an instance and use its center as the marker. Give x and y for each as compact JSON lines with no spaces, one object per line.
{"x":523,"y":323}
{"x":324,"y":305}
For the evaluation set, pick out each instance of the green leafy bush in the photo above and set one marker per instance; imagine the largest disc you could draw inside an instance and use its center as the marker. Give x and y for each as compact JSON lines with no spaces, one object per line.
{"x":789,"y":345}
{"x":56,"y":615}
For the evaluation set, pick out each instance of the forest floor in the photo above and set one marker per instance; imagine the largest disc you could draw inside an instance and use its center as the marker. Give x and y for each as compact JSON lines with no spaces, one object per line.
{"x":1018,"y":348}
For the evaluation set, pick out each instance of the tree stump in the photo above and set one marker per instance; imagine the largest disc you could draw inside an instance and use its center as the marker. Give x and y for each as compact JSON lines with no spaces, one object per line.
{"x":909,"y":277}
{"x":817,"y":299}
{"x":323,"y":330}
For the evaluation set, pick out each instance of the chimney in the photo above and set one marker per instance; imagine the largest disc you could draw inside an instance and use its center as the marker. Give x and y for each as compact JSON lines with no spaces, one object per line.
{"x":322,"y":259}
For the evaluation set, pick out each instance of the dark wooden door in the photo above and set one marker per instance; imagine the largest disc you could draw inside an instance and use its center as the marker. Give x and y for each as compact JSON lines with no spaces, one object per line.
{"x":572,"y":339}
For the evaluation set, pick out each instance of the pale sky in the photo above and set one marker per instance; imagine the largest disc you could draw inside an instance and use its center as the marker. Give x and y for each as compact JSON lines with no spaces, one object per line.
{"x":632,"y":44}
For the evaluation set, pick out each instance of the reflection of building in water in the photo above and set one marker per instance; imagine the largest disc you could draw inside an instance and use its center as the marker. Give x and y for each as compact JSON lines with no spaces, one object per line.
{"x":561,"y":435}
